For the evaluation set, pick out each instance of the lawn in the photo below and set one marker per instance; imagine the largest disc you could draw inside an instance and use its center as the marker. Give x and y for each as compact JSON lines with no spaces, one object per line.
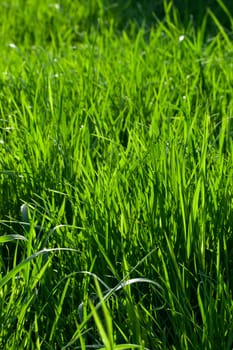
{"x":116,"y":177}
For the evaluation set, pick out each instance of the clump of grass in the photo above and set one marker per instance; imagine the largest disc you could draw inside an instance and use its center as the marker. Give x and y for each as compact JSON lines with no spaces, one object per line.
{"x":116,"y":167}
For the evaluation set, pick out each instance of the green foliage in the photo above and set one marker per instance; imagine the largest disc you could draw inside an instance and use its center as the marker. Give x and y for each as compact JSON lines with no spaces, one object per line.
{"x":115,"y":179}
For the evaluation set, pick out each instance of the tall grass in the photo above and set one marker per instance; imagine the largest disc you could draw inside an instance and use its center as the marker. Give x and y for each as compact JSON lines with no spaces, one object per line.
{"x":116,"y":181}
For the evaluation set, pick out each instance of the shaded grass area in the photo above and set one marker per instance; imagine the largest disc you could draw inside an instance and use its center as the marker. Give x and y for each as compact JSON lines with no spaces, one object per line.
{"x":119,"y":148}
{"x":58,"y":23}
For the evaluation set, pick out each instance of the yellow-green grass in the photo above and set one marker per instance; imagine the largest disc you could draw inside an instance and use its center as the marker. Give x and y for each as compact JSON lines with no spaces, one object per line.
{"x":116,"y":174}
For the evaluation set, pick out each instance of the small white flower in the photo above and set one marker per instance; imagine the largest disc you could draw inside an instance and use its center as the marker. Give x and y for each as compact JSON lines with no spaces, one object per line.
{"x":55,"y":6}
{"x":181,"y":38}
{"x":13,"y":46}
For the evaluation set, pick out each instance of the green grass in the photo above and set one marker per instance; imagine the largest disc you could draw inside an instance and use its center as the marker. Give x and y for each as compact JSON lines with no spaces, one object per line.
{"x":116,"y":169}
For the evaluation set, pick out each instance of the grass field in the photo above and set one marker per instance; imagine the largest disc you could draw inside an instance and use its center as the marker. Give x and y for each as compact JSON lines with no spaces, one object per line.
{"x":116,"y":179}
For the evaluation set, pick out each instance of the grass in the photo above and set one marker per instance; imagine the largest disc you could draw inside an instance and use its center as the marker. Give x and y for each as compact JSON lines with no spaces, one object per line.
{"x":116,"y":180}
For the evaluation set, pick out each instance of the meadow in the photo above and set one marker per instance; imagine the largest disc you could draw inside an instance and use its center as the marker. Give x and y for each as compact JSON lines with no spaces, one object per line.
{"x":116,"y":178}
